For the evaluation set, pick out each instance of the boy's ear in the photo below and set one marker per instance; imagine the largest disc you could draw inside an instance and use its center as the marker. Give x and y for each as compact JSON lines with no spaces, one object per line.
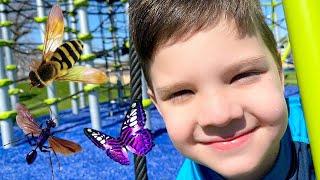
{"x":153,"y":98}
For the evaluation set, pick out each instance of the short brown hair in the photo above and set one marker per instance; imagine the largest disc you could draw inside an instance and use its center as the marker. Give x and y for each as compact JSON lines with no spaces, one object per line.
{"x":154,"y":22}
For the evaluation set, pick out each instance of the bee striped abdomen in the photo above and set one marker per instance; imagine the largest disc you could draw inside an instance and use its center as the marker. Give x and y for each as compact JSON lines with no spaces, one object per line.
{"x":68,"y":54}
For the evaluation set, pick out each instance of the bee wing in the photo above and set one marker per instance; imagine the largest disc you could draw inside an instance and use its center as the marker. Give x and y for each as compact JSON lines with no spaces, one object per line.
{"x":84,"y":74}
{"x":34,"y":64}
{"x":54,"y":32}
{"x":63,"y":146}
{"x":26,"y":122}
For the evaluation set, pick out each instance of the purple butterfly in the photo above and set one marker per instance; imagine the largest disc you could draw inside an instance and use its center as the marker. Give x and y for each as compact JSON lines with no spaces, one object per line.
{"x":133,"y":136}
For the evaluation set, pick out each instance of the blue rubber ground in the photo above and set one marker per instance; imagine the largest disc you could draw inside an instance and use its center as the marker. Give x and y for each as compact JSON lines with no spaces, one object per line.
{"x":163,"y":161}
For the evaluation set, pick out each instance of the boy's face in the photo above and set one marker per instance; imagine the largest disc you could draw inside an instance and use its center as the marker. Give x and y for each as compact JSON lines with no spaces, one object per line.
{"x":222,"y":100}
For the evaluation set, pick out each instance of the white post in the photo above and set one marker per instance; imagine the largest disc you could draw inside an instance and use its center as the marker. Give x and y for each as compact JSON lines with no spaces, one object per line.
{"x":93,"y":95}
{"x":6,"y":124}
{"x":51,"y":90}
{"x":8,"y":57}
{"x":73,"y":25}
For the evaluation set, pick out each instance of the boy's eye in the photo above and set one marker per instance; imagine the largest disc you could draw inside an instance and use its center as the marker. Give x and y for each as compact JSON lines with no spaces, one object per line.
{"x":180,"y":96}
{"x":245,"y":76}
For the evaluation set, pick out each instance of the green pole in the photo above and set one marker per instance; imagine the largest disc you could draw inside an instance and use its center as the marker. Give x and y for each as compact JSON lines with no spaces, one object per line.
{"x":303,"y":21}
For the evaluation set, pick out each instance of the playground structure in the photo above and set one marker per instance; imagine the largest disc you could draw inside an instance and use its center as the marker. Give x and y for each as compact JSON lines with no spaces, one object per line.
{"x":110,"y":34}
{"x":103,"y":27}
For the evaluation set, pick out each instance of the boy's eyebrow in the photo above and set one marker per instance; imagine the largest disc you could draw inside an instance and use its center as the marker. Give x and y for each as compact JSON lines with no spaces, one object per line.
{"x":166,"y":90}
{"x":248,"y":62}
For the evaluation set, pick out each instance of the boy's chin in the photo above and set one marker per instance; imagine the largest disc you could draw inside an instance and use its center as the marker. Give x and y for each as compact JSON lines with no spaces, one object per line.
{"x":245,"y":169}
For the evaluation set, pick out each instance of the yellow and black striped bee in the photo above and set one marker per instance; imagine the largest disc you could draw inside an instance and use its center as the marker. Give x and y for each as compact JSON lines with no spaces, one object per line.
{"x":58,"y":59}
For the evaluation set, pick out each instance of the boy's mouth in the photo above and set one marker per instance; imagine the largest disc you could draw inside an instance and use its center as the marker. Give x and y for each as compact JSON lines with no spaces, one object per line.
{"x":228,"y":143}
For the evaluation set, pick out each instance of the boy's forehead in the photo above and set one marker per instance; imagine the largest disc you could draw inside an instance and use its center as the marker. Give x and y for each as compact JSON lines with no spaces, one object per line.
{"x":224,"y":24}
{"x":222,"y":37}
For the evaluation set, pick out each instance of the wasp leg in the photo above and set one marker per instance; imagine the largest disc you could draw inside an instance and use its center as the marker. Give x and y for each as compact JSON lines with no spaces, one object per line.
{"x":57,"y":158}
{"x":51,"y":166}
{"x":44,"y":148}
{"x":32,"y":141}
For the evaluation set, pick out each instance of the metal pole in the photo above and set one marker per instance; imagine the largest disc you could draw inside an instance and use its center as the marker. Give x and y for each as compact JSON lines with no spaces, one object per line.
{"x":140,"y":162}
{"x":51,"y":90}
{"x":6,"y":124}
{"x":73,"y":25}
{"x":72,"y":85}
{"x":303,"y":21}
{"x":8,"y":57}
{"x":92,"y":95}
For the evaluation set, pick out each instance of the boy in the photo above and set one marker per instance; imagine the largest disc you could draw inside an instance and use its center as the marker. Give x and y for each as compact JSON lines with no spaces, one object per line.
{"x":215,"y":76}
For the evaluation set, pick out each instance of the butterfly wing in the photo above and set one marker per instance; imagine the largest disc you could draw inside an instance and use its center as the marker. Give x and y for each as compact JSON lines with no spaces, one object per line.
{"x":26,"y":122}
{"x":141,"y":143}
{"x":113,"y":147}
{"x":135,"y":118}
{"x":54,"y":32}
{"x":84,"y":74}
{"x":136,"y":138}
{"x":63,"y":146}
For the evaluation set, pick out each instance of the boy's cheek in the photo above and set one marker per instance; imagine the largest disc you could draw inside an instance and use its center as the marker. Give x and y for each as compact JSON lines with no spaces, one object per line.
{"x":267,"y":104}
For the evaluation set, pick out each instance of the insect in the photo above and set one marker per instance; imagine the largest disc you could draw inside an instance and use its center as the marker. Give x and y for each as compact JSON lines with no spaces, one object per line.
{"x":38,"y":136}
{"x":58,"y":59}
{"x":133,"y":137}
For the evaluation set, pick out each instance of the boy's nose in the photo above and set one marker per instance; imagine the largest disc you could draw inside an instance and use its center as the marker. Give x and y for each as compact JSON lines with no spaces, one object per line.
{"x":219,"y":111}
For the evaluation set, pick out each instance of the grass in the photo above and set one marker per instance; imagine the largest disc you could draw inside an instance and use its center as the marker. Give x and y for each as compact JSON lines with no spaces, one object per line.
{"x":34,"y":97}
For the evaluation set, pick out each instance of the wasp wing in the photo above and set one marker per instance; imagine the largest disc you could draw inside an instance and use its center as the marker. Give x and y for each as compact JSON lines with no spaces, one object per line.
{"x":54,"y":32}
{"x":84,"y":74}
{"x":63,"y":146}
{"x":26,"y":122}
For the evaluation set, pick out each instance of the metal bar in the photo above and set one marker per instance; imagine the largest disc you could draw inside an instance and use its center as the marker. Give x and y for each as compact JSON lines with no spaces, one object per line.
{"x":303,"y":20}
